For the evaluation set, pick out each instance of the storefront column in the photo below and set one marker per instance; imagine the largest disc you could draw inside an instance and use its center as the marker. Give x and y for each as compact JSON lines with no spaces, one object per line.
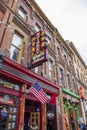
{"x":62,"y":111}
{"x":82,"y":111}
{"x":43,"y":123}
{"x":22,"y":106}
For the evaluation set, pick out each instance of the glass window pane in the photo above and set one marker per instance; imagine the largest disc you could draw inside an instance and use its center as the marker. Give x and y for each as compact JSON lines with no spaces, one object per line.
{"x":36,"y":69}
{"x":16,"y":40}
{"x":37,"y":27}
{"x":22,"y":14}
{"x":14,"y":53}
{"x":48,"y":38}
{"x":50,"y":74}
{"x":50,"y":65}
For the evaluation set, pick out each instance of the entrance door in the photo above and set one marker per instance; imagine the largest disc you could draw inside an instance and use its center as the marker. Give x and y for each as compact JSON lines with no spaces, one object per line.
{"x":35,"y":117}
{"x":51,"y":117}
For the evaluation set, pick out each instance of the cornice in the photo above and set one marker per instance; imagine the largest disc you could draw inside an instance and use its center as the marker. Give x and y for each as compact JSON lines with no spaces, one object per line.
{"x":77,"y":53}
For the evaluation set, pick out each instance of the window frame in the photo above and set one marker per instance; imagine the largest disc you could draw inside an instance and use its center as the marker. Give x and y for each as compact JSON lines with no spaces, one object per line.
{"x":50,"y":67}
{"x":22,"y":10}
{"x":16,"y":47}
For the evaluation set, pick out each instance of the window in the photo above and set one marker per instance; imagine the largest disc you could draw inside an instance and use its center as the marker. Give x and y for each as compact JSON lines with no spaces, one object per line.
{"x":73,"y":81}
{"x":48,"y":39}
{"x":22,"y":13}
{"x":77,"y":73}
{"x":74,"y":85}
{"x":57,"y":74}
{"x":65,"y":58}
{"x":61,"y":76}
{"x":16,"y":47}
{"x":68,"y":81}
{"x":58,"y":50}
{"x":37,"y":27}
{"x":50,"y":68}
{"x":36,"y":70}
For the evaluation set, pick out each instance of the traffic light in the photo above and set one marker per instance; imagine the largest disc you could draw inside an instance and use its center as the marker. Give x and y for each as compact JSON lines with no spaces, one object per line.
{"x":43,"y":42}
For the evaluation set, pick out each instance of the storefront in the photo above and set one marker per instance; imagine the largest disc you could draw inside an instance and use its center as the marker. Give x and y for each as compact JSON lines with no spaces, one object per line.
{"x":71,"y":109}
{"x":19,"y":108}
{"x":9,"y":100}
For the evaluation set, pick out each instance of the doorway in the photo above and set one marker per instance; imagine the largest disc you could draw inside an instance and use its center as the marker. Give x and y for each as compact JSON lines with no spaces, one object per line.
{"x":32,"y":114}
{"x":3,"y":116}
{"x":51,"y":117}
{"x":71,"y":118}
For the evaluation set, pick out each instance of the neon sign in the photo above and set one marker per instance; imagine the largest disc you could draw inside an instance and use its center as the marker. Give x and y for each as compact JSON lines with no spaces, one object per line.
{"x":39,"y":52}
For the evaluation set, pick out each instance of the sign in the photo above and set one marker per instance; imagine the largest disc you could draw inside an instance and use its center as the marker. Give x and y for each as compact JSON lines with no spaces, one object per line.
{"x":4,"y":112}
{"x":39,"y":52}
{"x":82,"y":92}
{"x":6,"y":100}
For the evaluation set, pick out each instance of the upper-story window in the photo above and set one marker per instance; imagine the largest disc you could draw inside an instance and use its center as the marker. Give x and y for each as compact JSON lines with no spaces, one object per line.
{"x":36,"y":69}
{"x":16,"y":47}
{"x":68,"y":81}
{"x":61,"y":77}
{"x":65,"y":58}
{"x":50,"y":68}
{"x":58,"y":50}
{"x":77,"y":73}
{"x":22,"y":13}
{"x":73,"y":83}
{"x":48,"y":39}
{"x":37,"y":27}
{"x":69,"y":60}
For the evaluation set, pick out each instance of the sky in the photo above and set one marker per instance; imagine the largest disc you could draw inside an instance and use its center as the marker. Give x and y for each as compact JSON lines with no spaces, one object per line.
{"x":70,"y":18}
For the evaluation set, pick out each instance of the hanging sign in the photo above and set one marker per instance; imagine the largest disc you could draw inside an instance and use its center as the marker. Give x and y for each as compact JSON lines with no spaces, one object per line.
{"x":39,"y":52}
{"x":82,"y":93}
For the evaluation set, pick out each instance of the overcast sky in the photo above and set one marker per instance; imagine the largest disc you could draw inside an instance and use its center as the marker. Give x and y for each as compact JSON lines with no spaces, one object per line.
{"x":70,"y":18}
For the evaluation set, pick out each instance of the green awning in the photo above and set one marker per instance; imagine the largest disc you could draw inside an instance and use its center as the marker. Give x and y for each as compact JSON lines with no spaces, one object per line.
{"x":70,"y":93}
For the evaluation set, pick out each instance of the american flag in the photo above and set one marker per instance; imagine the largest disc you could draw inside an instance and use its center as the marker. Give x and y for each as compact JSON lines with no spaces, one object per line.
{"x":38,"y":92}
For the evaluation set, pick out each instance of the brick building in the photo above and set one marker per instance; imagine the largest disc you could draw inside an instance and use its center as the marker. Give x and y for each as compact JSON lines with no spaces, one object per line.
{"x":19,"y":21}
{"x":81,"y":77}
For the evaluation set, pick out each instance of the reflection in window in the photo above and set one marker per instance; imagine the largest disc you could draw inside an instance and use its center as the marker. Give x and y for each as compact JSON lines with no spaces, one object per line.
{"x":14,"y":53}
{"x":16,"y":47}
{"x":16,"y":40}
{"x":22,"y":13}
{"x":50,"y":68}
{"x":48,"y":39}
{"x":65,"y":58}
{"x":68,"y":81}
{"x":61,"y":77}
{"x":36,"y":69}
{"x":59,"y":52}
{"x":37,"y":27}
